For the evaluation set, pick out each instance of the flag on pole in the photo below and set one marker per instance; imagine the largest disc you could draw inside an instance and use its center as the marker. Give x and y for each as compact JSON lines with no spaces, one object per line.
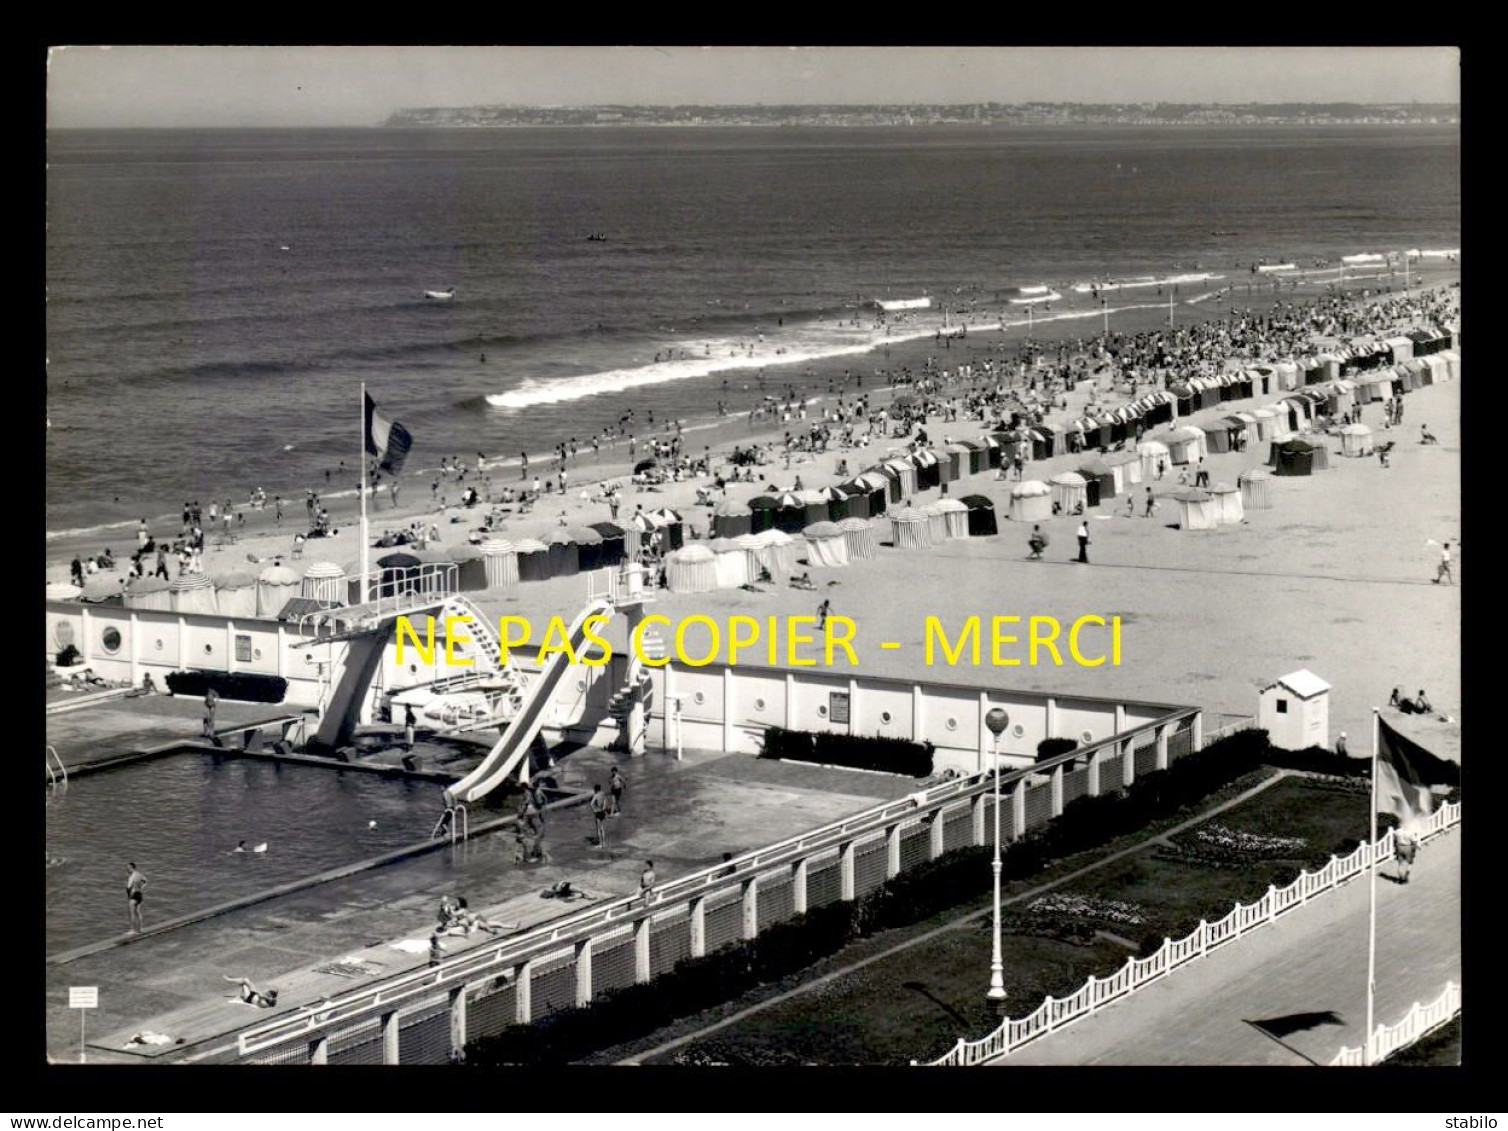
{"x":386,"y":439}
{"x":1405,"y":772}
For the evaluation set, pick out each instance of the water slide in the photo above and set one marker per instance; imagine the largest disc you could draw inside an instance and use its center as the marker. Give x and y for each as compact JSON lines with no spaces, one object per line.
{"x":513,"y":747}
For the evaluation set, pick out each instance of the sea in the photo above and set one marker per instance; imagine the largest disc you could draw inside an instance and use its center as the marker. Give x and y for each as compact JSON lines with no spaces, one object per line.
{"x":215,"y":298}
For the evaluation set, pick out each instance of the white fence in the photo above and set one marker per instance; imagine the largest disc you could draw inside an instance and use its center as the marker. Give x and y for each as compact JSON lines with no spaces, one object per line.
{"x":1095,"y":994}
{"x":1420,"y":1019}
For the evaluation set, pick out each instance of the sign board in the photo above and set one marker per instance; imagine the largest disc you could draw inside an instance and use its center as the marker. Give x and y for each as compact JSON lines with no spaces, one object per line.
{"x":837,"y":707}
{"x":83,"y":997}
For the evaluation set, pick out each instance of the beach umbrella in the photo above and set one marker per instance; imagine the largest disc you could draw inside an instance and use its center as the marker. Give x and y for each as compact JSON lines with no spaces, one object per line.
{"x":235,"y":595}
{"x":533,"y":559}
{"x":646,"y":465}
{"x":910,"y":529}
{"x":500,"y":563}
{"x":192,"y":593}
{"x":275,"y":586}
{"x":67,"y":591}
{"x":1256,"y":489}
{"x":859,"y":538}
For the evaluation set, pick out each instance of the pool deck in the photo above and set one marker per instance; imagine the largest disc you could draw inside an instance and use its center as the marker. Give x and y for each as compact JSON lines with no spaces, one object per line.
{"x":119,"y":728}
{"x":683,"y":815}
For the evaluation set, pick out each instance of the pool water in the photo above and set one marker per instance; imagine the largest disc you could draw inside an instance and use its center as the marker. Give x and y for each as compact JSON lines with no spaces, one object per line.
{"x":179,"y":818}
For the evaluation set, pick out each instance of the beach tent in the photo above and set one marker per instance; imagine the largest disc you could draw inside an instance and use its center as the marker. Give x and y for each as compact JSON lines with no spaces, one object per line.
{"x":500,"y":563}
{"x":565,"y":554}
{"x":982,"y":522}
{"x":1265,"y":425}
{"x":1159,"y":407}
{"x":1227,"y":502}
{"x":825,"y":545}
{"x":192,"y":593}
{"x":1184,"y":397}
{"x":588,"y":547}
{"x":1208,"y":390}
{"x":928,"y":469}
{"x":905,"y":474}
{"x":651,"y":530}
{"x":691,"y":569}
{"x":533,"y":559}
{"x":1288,"y":375}
{"x":1402,"y":348}
{"x":1319,"y":454}
{"x":275,"y":585}
{"x":1106,"y":479}
{"x":734,"y":564}
{"x":877,"y":484}
{"x":1244,"y":430}
{"x":1413,"y":373}
{"x":1128,"y":467}
{"x":1311,"y":371}
{"x":108,"y":588}
{"x":437,"y":570}
{"x":146,"y":593}
{"x":1031,"y":501}
{"x":235,"y":595}
{"x":1256,"y":489}
{"x":1151,"y":453}
{"x":1452,"y":359}
{"x":859,"y":537}
{"x":672,"y":527}
{"x":1436,"y":369}
{"x":762,"y":511}
{"x":791,"y":513}
{"x":979,"y":454}
{"x":814,"y":507}
{"x":731,"y":518}
{"x":1292,"y":457}
{"x":837,"y":503}
{"x":1044,"y":441}
{"x":1356,"y":440}
{"x":955,"y":517}
{"x":1217,"y":436}
{"x":67,"y":591}
{"x":910,"y":529}
{"x":471,"y":567}
{"x":994,"y":451}
{"x":856,"y":499}
{"x":1196,"y":509}
{"x":1069,"y":491}
{"x":400,"y":572}
{"x":954,"y":463}
{"x":937,"y":523}
{"x":325,"y":581}
{"x":614,"y":548}
{"x":776,"y":552}
{"x":1185,"y":444}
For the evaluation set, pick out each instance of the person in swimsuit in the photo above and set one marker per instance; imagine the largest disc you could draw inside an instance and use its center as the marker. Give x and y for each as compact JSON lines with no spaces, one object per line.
{"x":262,"y":999}
{"x":135,"y":885}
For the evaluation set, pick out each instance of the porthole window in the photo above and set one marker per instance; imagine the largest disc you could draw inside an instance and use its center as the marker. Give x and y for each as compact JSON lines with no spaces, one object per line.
{"x":209,"y":649}
{"x":952,"y":724}
{"x":62,"y":634}
{"x":821,"y":712}
{"x":1018,"y":730}
{"x":157,"y":644}
{"x":1087,"y":736}
{"x":413,"y":668}
{"x":308,"y":657}
{"x":110,"y":640}
{"x":699,"y":697}
{"x":256,"y":653}
{"x":885,"y":717}
{"x":759,"y":704}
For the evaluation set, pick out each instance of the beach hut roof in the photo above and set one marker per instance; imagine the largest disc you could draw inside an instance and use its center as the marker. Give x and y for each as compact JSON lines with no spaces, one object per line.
{"x":495,"y":546}
{"x":1094,"y":466}
{"x":583,"y":535}
{"x":949,"y":506}
{"x":1119,"y":459}
{"x":613,"y":530}
{"x":398,"y":560}
{"x":730,"y":508}
{"x":436,"y":554}
{"x":1187,"y":432}
{"x":102,"y":587}
{"x":66,"y":591}
{"x":1067,"y":479}
{"x":277,"y":575}
{"x":925,"y":458}
{"x":694,"y":552}
{"x":1189,"y":495}
{"x":667,"y":516}
{"x":977,"y":502}
{"x":1152,"y":447}
{"x":810,"y":495}
{"x":1223,"y":489}
{"x":178,"y":584}
{"x":726,"y":545}
{"x":1245,"y":417}
{"x":232,"y":580}
{"x":763,"y":503}
{"x":872,"y":479}
{"x":1355,"y":430}
{"x":149,"y":585}
{"x":908,"y":514}
{"x":530,"y":546}
{"x":957,"y":447}
{"x":1265,"y":413}
{"x":749,"y":541}
{"x":324,"y":569}
{"x":464,"y":552}
{"x":1254,"y":474}
{"x":1030,"y":489}
{"x":852,"y":524}
{"x":559,"y":536}
{"x":822,"y":530}
{"x":774,"y":538}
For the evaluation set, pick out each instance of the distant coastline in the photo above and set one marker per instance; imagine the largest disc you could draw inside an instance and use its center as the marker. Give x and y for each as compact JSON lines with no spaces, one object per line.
{"x":965,"y":114}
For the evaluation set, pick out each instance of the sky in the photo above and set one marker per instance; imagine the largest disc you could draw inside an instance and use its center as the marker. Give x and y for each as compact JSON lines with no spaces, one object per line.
{"x":145,"y":87}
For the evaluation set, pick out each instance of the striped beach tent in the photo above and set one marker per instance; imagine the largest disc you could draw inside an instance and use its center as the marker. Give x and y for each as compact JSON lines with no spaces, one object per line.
{"x":860,"y":539}
{"x":192,"y":593}
{"x":500,"y":563}
{"x":1256,"y":489}
{"x":910,"y":529}
{"x":691,"y":569}
{"x":937,"y":523}
{"x":955,"y":518}
{"x":1069,"y":490}
{"x":325,"y":581}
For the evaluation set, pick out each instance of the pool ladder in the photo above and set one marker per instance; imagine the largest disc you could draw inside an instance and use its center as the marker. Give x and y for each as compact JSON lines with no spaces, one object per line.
{"x":58,"y":776}
{"x":460,"y":825}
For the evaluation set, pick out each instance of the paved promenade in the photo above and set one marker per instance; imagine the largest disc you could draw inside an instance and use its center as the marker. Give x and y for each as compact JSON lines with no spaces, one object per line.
{"x":1312,"y":961}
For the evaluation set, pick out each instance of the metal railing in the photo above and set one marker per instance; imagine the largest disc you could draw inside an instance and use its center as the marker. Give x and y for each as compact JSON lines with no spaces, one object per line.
{"x":1418,"y":1022}
{"x":686,"y":893}
{"x":1096,"y":993}
{"x":60,"y":774}
{"x":456,"y":821}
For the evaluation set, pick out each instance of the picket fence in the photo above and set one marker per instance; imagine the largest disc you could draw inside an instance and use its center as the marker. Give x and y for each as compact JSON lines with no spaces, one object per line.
{"x":1420,"y":1019}
{"x":1096,"y":993}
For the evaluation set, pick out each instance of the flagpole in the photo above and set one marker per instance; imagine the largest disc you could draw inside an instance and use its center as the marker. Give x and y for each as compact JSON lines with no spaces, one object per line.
{"x":366,"y":542}
{"x":1372,"y":914}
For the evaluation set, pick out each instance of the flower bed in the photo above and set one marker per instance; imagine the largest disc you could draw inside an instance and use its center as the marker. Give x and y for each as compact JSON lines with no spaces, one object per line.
{"x":1217,"y":846}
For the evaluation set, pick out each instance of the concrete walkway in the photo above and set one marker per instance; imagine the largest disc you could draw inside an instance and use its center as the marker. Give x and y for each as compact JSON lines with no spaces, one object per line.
{"x":1312,"y":961}
{"x":683,"y":815}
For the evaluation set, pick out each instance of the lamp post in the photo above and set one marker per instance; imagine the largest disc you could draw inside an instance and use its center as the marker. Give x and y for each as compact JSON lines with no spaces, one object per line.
{"x":997,"y":720}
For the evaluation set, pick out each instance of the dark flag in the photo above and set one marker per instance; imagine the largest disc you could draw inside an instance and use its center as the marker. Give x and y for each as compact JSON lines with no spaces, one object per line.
{"x":1405,"y":772}
{"x":386,"y":439}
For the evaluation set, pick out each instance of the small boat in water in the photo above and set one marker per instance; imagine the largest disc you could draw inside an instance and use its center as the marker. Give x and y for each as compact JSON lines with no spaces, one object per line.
{"x":441,"y":296}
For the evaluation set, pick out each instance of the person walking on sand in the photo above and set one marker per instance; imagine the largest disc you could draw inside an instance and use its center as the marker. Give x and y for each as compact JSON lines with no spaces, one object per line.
{"x":1406,"y":847}
{"x":647,"y":879}
{"x":1151,"y":504}
{"x":1038,"y":543}
{"x":136,"y":884}
{"x":1083,"y":535}
{"x":599,"y":814}
{"x":824,"y":610}
{"x":615,"y":784}
{"x":1443,"y":572}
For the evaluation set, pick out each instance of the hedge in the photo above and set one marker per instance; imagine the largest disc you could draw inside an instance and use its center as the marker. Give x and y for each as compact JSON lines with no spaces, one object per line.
{"x":248,"y":687}
{"x":1052,"y":747}
{"x":863,"y":752}
{"x":695,"y":984}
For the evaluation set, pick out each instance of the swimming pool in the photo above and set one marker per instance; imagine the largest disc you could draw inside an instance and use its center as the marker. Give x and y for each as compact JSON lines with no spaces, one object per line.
{"x":179,"y":818}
